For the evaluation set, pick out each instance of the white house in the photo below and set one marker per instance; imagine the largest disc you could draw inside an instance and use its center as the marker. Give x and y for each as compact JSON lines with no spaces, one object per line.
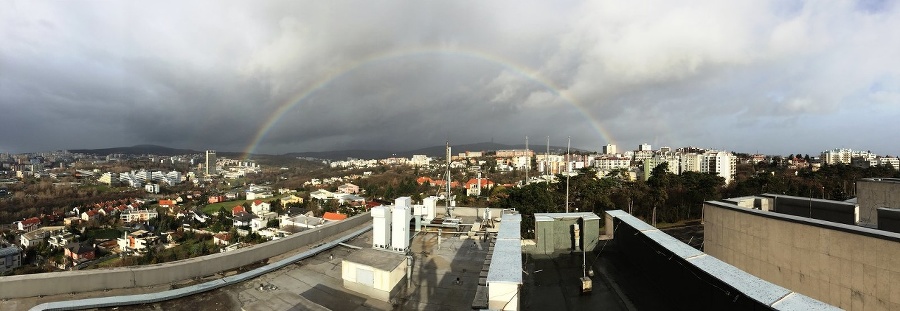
{"x":259,"y":207}
{"x":321,"y":194}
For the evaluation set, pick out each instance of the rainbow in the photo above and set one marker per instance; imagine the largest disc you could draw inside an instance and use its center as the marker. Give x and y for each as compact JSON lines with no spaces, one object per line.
{"x":513,"y":67}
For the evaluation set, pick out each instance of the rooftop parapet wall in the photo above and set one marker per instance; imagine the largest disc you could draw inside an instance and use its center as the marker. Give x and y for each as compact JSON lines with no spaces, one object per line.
{"x":874,"y":193}
{"x":504,"y":279}
{"x":692,"y":280}
{"x":848,"y":266}
{"x":828,"y":210}
{"x":55,"y":283}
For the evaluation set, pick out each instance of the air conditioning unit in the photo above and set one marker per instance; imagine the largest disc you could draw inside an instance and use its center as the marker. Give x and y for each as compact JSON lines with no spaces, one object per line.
{"x":381,"y":227}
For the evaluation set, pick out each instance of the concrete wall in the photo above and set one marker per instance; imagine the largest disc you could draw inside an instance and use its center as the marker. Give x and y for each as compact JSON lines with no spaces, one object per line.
{"x":874,"y":193}
{"x":557,"y":234}
{"x":385,"y":284}
{"x":828,"y":210}
{"x":92,"y":280}
{"x":847,"y":266}
{"x":889,"y":219}
{"x":471,"y":211}
{"x":503,"y":296}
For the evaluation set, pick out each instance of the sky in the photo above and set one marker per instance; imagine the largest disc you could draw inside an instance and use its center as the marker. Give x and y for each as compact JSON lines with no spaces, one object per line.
{"x":774,"y":77}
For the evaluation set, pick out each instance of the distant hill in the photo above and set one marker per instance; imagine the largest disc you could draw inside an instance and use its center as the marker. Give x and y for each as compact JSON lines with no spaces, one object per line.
{"x":435,"y":151}
{"x":137,"y":150}
{"x":343,"y":154}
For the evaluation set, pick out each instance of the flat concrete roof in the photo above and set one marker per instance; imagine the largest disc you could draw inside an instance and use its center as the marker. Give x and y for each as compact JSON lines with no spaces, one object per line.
{"x":510,"y":224}
{"x":445,"y":277}
{"x":552,"y":216}
{"x":378,"y":259}
{"x":886,"y":180}
{"x":506,"y":262}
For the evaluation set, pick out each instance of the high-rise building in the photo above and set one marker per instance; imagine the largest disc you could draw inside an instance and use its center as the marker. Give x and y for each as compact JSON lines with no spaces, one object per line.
{"x":609,"y":149}
{"x":210,"y":165}
{"x":721,"y":163}
{"x":645,"y":147}
{"x":837,"y":156}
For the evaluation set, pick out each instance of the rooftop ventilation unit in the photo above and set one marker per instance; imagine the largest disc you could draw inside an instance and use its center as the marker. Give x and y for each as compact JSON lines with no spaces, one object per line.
{"x":381,"y":227}
{"x":430,"y":206}
{"x":400,"y":228}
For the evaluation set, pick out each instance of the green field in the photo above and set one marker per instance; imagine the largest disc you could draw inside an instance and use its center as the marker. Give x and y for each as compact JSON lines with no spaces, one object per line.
{"x":212,"y":209}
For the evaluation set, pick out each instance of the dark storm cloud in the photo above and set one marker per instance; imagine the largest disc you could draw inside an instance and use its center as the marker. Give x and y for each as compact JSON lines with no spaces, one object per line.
{"x":735,"y":75}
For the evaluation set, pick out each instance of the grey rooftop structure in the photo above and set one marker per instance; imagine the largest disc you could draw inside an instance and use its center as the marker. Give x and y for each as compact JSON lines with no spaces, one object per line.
{"x":708,"y":269}
{"x":375,"y":258}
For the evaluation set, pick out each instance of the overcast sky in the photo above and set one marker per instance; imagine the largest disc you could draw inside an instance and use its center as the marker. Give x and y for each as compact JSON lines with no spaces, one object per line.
{"x":775,"y":77}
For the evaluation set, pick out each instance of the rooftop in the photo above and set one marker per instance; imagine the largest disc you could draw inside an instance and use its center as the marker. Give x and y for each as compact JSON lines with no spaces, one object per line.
{"x":379,"y":259}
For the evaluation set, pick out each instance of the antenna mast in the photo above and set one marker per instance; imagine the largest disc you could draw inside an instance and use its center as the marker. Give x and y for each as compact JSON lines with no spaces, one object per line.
{"x":448,"y":180}
{"x":568,"y":172}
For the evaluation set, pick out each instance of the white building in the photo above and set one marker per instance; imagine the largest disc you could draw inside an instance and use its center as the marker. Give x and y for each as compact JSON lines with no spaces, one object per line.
{"x":420,"y":160}
{"x":108,"y":178}
{"x":132,"y":215}
{"x":690,"y":162}
{"x":893,"y":162}
{"x":612,"y":163}
{"x":609,"y":149}
{"x":651,"y":163}
{"x":151,"y":188}
{"x":258,"y":207}
{"x":644,"y":147}
{"x":722,"y":163}
{"x":836,"y":156}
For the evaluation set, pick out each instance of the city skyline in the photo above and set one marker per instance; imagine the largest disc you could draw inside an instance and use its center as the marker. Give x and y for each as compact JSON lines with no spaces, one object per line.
{"x":770,"y":77}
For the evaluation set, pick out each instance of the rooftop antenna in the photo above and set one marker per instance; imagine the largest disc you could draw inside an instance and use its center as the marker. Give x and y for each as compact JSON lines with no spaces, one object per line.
{"x":568,"y":171}
{"x":447,"y":202}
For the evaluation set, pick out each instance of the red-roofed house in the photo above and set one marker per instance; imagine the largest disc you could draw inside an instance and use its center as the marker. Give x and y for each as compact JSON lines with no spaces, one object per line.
{"x":222,"y":238}
{"x":372,"y":204}
{"x":348,"y":188}
{"x":166,"y":203}
{"x":334,"y":216}
{"x":237,"y":210}
{"x":216,"y":199}
{"x":474,"y":185}
{"x":29,"y":224}
{"x":423,"y":180}
{"x":78,"y":251}
{"x":259,"y":207}
{"x":443,"y":183}
{"x":90,"y":215}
